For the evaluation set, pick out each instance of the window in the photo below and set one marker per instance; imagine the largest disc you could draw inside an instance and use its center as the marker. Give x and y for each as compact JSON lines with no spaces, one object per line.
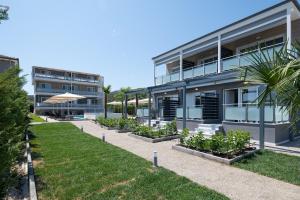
{"x":45,"y":85}
{"x":249,"y":95}
{"x":231,"y":96}
{"x":261,"y":44}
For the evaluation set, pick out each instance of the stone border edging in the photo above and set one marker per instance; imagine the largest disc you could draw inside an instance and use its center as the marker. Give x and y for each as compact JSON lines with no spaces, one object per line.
{"x":212,"y":157}
{"x":32,"y":187}
{"x":155,"y":139}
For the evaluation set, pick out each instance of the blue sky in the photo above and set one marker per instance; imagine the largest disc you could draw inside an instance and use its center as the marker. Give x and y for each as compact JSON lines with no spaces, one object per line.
{"x":115,"y":38}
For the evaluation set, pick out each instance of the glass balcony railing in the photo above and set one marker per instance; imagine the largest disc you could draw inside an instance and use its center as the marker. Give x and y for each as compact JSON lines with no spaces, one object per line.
{"x":250,"y":113}
{"x":227,"y":63}
{"x":58,"y":77}
{"x":167,"y":78}
{"x":201,"y":70}
{"x":142,"y":112}
{"x":191,"y":113}
{"x":80,"y":92}
{"x":244,"y":59}
{"x":71,"y":105}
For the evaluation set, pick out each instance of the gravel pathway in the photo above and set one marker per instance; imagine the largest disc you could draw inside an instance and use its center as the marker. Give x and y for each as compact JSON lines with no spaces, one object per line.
{"x":233,"y":182}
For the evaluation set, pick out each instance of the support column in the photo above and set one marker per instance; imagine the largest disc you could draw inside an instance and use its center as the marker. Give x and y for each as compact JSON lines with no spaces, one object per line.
{"x":289,"y":29}
{"x":125,"y":107}
{"x":136,"y":104}
{"x":261,"y":121}
{"x":180,"y":67}
{"x":149,"y":109}
{"x":219,"y":54}
{"x":184,"y":107}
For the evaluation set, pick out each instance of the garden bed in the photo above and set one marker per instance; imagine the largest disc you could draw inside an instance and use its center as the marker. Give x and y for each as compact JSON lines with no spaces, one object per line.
{"x":210,"y":156}
{"x":108,"y":128}
{"x":123,"y":130}
{"x":155,"y":140}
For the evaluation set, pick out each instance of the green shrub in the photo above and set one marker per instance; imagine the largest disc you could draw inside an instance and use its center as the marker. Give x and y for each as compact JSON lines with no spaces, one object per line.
{"x":14,"y":120}
{"x":219,"y":144}
{"x":185,"y":133}
{"x":171,"y":128}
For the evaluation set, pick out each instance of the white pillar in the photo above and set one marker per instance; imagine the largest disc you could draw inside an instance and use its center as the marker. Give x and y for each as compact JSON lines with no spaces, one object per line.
{"x":180,"y":67}
{"x":219,"y":54}
{"x":289,"y":29}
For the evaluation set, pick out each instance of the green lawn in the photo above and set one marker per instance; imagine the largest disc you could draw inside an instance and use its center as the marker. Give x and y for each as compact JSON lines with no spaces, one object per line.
{"x":72,"y":165}
{"x":35,"y":118}
{"x":275,"y":165}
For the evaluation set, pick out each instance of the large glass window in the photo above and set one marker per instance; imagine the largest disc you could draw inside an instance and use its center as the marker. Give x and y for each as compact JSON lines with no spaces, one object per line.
{"x":231,"y":96}
{"x":249,"y":95}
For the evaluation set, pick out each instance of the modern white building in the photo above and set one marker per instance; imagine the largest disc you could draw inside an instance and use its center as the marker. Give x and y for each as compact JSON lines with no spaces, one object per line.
{"x":48,"y":82}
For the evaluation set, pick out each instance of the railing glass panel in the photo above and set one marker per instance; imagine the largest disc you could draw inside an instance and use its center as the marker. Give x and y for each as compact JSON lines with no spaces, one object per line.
{"x":210,"y":68}
{"x":235,"y":112}
{"x":199,"y":71}
{"x":189,"y":73}
{"x":250,"y":113}
{"x":191,"y":112}
{"x":142,"y":112}
{"x":230,"y":63}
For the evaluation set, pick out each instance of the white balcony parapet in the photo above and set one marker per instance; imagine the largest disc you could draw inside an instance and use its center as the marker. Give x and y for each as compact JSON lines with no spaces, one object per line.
{"x":244,"y":59}
{"x":228,"y":63}
{"x":191,"y":112}
{"x":57,"y":77}
{"x":248,"y":112}
{"x":80,"y":92}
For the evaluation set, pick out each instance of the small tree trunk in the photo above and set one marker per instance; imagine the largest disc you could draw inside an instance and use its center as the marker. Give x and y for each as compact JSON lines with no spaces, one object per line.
{"x":122,"y":109}
{"x":105,"y":106}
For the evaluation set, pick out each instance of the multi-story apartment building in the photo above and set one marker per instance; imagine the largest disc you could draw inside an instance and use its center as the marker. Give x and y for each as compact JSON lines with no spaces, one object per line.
{"x":200,"y":78}
{"x":7,"y":62}
{"x":48,"y":82}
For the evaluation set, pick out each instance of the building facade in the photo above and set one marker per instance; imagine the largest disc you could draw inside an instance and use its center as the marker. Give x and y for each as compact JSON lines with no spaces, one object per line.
{"x":7,"y":62}
{"x":48,"y":82}
{"x":200,"y":80}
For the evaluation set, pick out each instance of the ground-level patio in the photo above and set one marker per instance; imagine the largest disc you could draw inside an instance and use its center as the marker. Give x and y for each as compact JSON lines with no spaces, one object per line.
{"x":233,"y":182}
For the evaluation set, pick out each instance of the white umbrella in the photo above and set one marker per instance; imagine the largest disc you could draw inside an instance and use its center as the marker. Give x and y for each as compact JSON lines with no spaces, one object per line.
{"x":66,"y":97}
{"x":144,"y":101}
{"x":114,"y":103}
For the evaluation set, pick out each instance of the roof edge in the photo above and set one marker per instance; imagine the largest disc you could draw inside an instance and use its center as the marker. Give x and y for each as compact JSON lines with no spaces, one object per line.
{"x":295,"y":2}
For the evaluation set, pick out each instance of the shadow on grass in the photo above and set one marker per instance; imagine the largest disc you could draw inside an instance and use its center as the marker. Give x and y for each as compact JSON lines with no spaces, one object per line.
{"x":251,"y":157}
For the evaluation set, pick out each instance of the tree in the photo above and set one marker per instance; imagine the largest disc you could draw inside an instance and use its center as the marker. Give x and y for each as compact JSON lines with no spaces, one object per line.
{"x":3,"y":13}
{"x":120,"y":96}
{"x":106,"y":91}
{"x":14,"y":120}
{"x":280,"y":73}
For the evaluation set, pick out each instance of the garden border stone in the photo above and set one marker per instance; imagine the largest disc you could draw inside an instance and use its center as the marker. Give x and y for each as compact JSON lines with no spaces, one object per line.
{"x":154,"y":140}
{"x":32,"y":187}
{"x":226,"y":161}
{"x":108,"y":128}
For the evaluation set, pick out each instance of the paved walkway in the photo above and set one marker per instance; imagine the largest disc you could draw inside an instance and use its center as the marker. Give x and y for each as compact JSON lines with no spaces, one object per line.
{"x":233,"y":182}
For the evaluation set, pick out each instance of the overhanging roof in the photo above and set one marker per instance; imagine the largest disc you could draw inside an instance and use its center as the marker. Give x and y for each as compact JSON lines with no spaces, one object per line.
{"x":211,"y":34}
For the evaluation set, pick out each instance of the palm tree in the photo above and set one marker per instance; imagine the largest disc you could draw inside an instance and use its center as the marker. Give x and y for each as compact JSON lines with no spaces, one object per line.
{"x":120,"y":96}
{"x":106,"y":91}
{"x":280,"y":73}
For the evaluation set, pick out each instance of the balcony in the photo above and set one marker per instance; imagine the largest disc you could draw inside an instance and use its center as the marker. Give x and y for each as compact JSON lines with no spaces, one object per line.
{"x":201,"y":70}
{"x":242,"y":60}
{"x":60,"y":91}
{"x":71,"y":105}
{"x":228,"y":63}
{"x":64,"y":78}
{"x":160,"y":80}
{"x":191,"y":113}
{"x":250,"y":113}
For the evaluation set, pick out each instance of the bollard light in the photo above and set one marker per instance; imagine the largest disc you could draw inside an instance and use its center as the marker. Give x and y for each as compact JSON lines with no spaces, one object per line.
{"x":46,"y":119}
{"x":81,"y":128}
{"x":155,"y":158}
{"x":103,"y":137}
